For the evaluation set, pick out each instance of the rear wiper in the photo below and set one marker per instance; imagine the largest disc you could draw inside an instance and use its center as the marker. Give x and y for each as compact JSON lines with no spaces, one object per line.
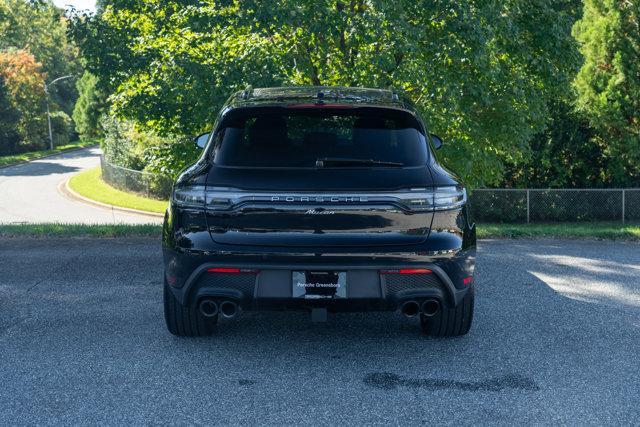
{"x":325,"y":162}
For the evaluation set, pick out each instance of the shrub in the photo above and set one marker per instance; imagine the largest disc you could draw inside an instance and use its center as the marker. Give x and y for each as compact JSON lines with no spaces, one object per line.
{"x":126,"y":144}
{"x":120,"y":145}
{"x":171,"y":155}
{"x":61,"y":127}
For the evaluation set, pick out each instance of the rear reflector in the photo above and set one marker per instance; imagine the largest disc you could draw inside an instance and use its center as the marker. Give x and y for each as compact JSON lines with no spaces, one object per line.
{"x":230,"y":270}
{"x":467,"y":280}
{"x":407,"y":271}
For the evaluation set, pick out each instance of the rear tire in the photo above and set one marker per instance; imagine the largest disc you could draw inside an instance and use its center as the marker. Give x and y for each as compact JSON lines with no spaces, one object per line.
{"x":450,"y":321}
{"x":185,"y":321}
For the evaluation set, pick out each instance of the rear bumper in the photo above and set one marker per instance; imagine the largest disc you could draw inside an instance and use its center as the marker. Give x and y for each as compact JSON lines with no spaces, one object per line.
{"x":267,"y":283}
{"x":449,"y":253}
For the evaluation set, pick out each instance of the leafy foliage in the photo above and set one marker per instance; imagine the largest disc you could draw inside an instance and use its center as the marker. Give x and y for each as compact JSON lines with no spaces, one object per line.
{"x":61,"y":127}
{"x":122,"y":144}
{"x":171,"y":155}
{"x":23,"y":84}
{"x":9,"y":136}
{"x":39,"y":27}
{"x":481,"y":72}
{"x":125,"y":144}
{"x":566,"y":155}
{"x":34,"y":49}
{"x":608,"y":83}
{"x":91,"y":104}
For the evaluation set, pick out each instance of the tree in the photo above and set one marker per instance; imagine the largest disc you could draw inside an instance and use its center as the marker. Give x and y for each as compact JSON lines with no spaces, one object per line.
{"x":41,"y":28}
{"x":9,"y":116}
{"x":565,"y":155}
{"x":481,"y":72}
{"x":91,"y":104}
{"x":608,"y":83}
{"x":24,"y":88}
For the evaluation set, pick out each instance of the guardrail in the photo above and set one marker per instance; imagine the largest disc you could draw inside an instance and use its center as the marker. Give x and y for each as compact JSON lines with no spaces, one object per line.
{"x":144,"y":183}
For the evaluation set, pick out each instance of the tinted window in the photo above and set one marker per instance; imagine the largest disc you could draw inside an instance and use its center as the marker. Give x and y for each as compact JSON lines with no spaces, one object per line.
{"x":297,"y":138}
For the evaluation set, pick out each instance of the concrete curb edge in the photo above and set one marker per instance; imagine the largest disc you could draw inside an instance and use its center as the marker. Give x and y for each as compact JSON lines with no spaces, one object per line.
{"x":64,"y":188}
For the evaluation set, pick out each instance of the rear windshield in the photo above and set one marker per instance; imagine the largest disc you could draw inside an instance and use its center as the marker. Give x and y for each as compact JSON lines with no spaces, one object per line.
{"x":287,"y":137}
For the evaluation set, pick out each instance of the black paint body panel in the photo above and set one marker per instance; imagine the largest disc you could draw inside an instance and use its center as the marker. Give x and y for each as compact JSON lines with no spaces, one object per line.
{"x":361,"y":239}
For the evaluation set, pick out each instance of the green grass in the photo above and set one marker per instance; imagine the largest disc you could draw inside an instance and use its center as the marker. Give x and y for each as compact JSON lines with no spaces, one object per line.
{"x":33,"y":155}
{"x":79,"y":230}
{"x":600,"y":230}
{"x":90,"y":185}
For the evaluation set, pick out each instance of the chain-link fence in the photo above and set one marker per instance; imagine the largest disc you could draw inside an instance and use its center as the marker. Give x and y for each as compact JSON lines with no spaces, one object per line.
{"x":557,"y":205}
{"x":147,"y":184}
{"x":488,"y":205}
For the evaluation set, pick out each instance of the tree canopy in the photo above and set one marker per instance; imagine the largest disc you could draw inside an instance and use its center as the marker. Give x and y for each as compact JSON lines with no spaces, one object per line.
{"x":481,"y":72}
{"x":608,"y":84}
{"x":34,"y":49}
{"x":41,"y":28}
{"x":23,"y":91}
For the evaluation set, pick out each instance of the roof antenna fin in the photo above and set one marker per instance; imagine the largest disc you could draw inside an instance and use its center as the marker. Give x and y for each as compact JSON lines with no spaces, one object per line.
{"x":394,"y":94}
{"x":247,"y":92}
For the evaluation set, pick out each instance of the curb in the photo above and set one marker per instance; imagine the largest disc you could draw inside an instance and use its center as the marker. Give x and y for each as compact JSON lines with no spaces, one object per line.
{"x":70,"y":150}
{"x":64,"y":188}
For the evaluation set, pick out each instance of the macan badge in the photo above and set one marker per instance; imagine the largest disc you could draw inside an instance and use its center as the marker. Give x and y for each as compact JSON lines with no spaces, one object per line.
{"x":319,"y":212}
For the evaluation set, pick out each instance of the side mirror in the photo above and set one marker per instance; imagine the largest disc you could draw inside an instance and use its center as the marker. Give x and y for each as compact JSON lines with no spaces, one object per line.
{"x":437,"y":141}
{"x":201,"y":140}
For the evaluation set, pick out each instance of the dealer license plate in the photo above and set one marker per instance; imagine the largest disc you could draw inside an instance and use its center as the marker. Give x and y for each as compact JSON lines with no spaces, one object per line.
{"x":313,"y":284}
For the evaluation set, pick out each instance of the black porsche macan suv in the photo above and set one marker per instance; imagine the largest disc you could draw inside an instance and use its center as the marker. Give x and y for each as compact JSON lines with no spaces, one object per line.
{"x":322,"y":199}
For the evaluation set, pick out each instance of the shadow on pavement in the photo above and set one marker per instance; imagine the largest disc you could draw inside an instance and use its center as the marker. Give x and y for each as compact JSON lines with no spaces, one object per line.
{"x":37,"y":168}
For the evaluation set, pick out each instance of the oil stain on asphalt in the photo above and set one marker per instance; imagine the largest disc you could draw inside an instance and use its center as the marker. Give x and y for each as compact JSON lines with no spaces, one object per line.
{"x":389,"y":381}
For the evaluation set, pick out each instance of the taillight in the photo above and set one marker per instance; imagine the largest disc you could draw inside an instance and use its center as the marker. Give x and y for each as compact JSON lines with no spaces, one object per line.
{"x":221,"y":198}
{"x":449,"y":197}
{"x":438,"y":198}
{"x":189,"y":196}
{"x":231,"y":270}
{"x":216,"y":198}
{"x":415,"y":199}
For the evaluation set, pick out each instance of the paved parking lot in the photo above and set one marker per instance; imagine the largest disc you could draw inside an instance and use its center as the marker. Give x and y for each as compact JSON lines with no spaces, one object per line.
{"x":556,"y":339}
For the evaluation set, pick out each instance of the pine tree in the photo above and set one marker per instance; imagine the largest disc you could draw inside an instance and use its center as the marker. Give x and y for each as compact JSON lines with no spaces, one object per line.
{"x":90,"y":106}
{"x":608,"y":84}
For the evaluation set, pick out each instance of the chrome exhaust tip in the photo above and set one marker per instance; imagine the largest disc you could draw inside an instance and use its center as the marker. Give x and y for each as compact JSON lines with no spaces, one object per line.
{"x":430,"y":307}
{"x":228,"y":309}
{"x":208,"y":308}
{"x":410,"y":308}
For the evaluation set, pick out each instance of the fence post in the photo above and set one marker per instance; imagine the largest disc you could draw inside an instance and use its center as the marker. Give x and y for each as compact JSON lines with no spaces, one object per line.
{"x":528,"y":218}
{"x":623,"y":203}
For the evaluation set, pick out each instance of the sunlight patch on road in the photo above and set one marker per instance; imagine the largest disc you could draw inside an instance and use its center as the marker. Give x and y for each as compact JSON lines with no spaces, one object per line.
{"x":590,"y":265}
{"x":589,"y":291}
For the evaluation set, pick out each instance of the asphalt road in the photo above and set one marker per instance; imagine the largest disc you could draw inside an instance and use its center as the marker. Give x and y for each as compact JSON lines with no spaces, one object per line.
{"x":556,"y":339}
{"x":29,"y":193}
